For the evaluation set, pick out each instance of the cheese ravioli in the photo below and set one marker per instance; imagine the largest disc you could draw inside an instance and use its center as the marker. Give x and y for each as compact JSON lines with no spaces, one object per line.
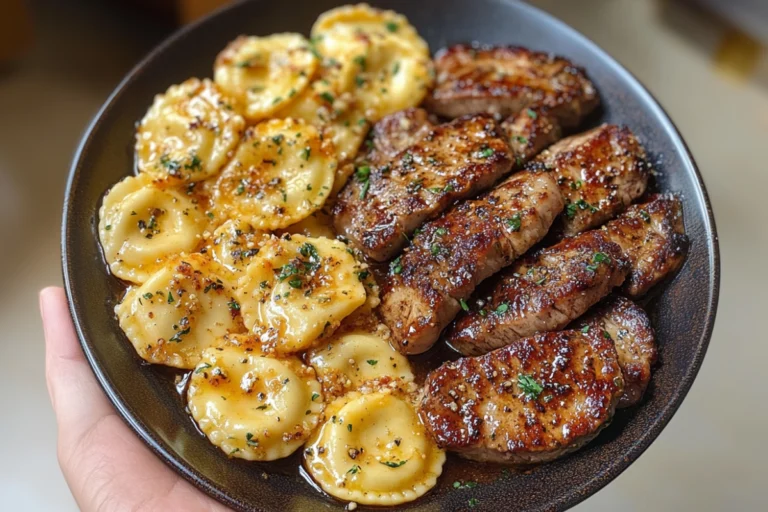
{"x":143,"y":222}
{"x":298,"y":289}
{"x":374,"y":450}
{"x":265,"y":74}
{"x":251,"y":405}
{"x":235,"y":243}
{"x":188,"y":133}
{"x":281,"y":173}
{"x":350,"y":360}
{"x":179,"y":311}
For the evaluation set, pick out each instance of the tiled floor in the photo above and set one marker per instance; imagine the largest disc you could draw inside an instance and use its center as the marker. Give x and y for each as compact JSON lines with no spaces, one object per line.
{"x":704,"y":460}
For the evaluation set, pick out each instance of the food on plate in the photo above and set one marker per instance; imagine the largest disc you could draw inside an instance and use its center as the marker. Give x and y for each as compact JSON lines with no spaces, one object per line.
{"x":180,"y":311}
{"x":143,"y":222}
{"x":252,"y":405}
{"x":384,"y":204}
{"x":505,"y":80}
{"x":532,"y":401}
{"x":600,"y":172}
{"x":298,"y":289}
{"x":429,"y":283}
{"x":652,"y":236}
{"x":630,"y":329}
{"x":330,"y":206}
{"x":543,"y":291}
{"x":188,"y":132}
{"x":373,"y":449}
{"x":281,"y":173}
{"x":349,"y":361}
{"x":264,"y":74}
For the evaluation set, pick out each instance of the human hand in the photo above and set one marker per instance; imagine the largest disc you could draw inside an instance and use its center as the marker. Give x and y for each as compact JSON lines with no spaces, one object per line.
{"x":106,"y":466}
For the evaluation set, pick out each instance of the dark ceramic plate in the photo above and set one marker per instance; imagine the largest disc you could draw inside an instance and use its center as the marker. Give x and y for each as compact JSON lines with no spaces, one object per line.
{"x":683,"y":312}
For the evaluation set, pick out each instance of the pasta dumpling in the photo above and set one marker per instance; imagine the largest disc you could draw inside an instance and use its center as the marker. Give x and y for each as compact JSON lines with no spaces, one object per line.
{"x":298,"y":289}
{"x":317,"y":225}
{"x":235,"y":243}
{"x":188,"y":133}
{"x":143,"y":222}
{"x":265,"y":74}
{"x":251,"y":405}
{"x":348,"y":361}
{"x":179,"y":311}
{"x":281,"y":173}
{"x":374,"y":450}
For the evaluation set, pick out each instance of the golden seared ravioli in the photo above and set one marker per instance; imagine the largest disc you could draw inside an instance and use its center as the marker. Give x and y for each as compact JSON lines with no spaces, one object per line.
{"x":235,"y":243}
{"x":281,"y":173}
{"x":347,"y":361}
{"x":179,"y":311}
{"x":298,"y":289}
{"x":265,"y":74}
{"x":373,"y":450}
{"x":188,"y":133}
{"x":391,"y":66}
{"x":251,"y":405}
{"x":143,"y":222}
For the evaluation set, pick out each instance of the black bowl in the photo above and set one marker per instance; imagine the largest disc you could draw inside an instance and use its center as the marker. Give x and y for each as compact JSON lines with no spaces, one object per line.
{"x":683,"y":312}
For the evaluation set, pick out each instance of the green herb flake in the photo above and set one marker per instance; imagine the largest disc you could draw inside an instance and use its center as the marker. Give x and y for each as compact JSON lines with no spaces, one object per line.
{"x":364,"y":189}
{"x":585,"y":329}
{"x":392,"y":26}
{"x":372,"y":362}
{"x":485,"y":152}
{"x":148,"y":295}
{"x":529,"y":386}
{"x":521,"y":139}
{"x":502,"y":308}
{"x":305,"y":153}
{"x":396,"y":267}
{"x":179,"y":334}
{"x":315,"y":396}
{"x":360,"y":61}
{"x":354,"y":470}
{"x":170,"y":298}
{"x":327,"y":97}
{"x":202,"y":368}
{"x":349,"y":427}
{"x":473,"y":502}
{"x":249,"y":439}
{"x":532,"y":114}
{"x":644,"y":215}
{"x":464,"y":304}
{"x":464,"y":485}
{"x":233,"y":305}
{"x":514,"y":222}
{"x":393,"y":464}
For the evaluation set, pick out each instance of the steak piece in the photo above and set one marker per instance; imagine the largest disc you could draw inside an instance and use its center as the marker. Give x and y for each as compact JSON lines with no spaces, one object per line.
{"x":383,"y":204}
{"x":529,"y":132}
{"x":600,"y":172}
{"x":630,"y":329}
{"x":541,"y":292}
{"x":652,"y":236}
{"x":532,"y":401}
{"x":427,"y":284}
{"x":504,"y":80}
{"x":395,"y":133}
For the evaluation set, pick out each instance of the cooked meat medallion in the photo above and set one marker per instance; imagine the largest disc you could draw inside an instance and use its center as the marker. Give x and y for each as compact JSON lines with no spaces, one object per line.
{"x":504,"y":80}
{"x":428,"y":284}
{"x":541,"y":292}
{"x":382,"y":205}
{"x":532,"y":401}
{"x":652,"y":236}
{"x":600,"y":172}
{"x":630,"y":329}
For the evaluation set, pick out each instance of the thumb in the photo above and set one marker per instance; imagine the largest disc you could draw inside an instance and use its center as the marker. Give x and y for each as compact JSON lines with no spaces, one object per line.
{"x":77,"y":399}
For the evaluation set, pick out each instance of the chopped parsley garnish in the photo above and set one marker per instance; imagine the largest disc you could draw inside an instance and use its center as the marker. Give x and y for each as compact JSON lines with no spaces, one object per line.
{"x":529,"y":386}
{"x":250,"y":440}
{"x":395,"y":266}
{"x":531,"y":114}
{"x":363,"y":172}
{"x":464,"y":485}
{"x":363,"y":275}
{"x":576,"y":185}
{"x":349,"y":427}
{"x":372,"y":362}
{"x":435,"y":249}
{"x":644,"y":215}
{"x":502,"y":308}
{"x":597,"y":259}
{"x":327,"y":97}
{"x":514,"y":222}
{"x":392,"y":26}
{"x":396,"y":68}
{"x":172,"y":165}
{"x":473,"y":502}
{"x":148,"y":295}
{"x":286,"y":271}
{"x":277,"y":100}
{"x":240,"y":189}
{"x":585,"y":329}
{"x":195,"y":164}
{"x":521,"y":139}
{"x":441,"y":231}
{"x":305,"y":153}
{"x":315,"y":396}
{"x":170,"y":298}
{"x":393,"y":464}
{"x":485,"y":152}
{"x":607,"y":335}
{"x":295,"y":283}
{"x":354,"y":470}
{"x":464,"y":304}
{"x":278,"y":139}
{"x":179,"y":334}
{"x":233,"y":305}
{"x":360,"y":61}
{"x":202,"y":368}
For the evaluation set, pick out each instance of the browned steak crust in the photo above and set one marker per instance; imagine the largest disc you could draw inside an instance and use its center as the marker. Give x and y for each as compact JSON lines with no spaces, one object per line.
{"x":630,"y":329}
{"x":600,"y":172}
{"x":451,"y":255}
{"x":532,"y":401}
{"x":383,"y":204}
{"x":504,"y":80}
{"x":652,"y":235}
{"x":529,"y":132}
{"x":541,"y":292}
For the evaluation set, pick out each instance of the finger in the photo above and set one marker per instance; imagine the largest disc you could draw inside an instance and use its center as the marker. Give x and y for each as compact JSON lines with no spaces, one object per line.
{"x":76,"y":396}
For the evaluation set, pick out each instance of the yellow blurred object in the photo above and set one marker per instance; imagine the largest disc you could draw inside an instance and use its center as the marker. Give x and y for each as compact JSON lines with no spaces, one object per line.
{"x":738,"y":55}
{"x":15,"y":29}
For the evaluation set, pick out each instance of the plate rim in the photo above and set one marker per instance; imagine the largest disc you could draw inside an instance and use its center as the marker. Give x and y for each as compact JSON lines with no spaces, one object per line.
{"x":574,"y":496}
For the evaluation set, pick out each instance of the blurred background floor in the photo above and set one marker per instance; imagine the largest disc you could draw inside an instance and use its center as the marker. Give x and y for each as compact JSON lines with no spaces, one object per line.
{"x":712,"y":80}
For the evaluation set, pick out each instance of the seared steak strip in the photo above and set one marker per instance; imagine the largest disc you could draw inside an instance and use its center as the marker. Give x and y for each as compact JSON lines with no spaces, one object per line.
{"x":532,"y":401}
{"x":600,"y":172}
{"x":429,"y":283}
{"x":504,"y":80}
{"x":652,"y":236}
{"x":383,"y":204}
{"x":529,"y":132}
{"x":630,"y":329}
{"x":541,"y":292}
